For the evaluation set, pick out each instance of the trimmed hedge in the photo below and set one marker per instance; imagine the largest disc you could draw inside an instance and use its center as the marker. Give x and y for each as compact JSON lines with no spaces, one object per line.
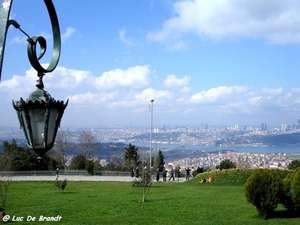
{"x":290,"y":196}
{"x":263,"y":190}
{"x":235,"y":176}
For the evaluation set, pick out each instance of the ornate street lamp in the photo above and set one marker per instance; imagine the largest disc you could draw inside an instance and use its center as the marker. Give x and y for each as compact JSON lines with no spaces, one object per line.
{"x":40,"y":114}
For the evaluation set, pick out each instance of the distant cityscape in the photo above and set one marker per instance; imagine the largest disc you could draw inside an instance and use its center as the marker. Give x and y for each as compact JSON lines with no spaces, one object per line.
{"x":174,"y":141}
{"x":228,"y":136}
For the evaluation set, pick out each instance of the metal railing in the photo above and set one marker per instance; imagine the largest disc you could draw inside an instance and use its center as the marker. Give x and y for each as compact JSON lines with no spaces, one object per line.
{"x":62,"y":172}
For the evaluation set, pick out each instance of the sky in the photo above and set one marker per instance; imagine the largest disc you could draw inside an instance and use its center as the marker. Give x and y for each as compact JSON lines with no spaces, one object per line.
{"x":221,"y":63}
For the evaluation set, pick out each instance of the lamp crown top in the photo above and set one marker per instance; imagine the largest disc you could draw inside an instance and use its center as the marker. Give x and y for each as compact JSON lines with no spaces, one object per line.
{"x":39,"y":95}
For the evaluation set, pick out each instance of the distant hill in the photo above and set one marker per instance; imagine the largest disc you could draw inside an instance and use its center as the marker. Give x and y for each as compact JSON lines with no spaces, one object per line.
{"x":281,"y":139}
{"x":112,"y":151}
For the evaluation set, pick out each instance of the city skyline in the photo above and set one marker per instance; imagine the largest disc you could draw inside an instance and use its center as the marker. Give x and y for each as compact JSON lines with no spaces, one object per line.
{"x":203,"y":62}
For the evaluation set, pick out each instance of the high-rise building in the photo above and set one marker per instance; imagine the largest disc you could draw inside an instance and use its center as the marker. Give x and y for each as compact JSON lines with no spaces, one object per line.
{"x":264,"y":126}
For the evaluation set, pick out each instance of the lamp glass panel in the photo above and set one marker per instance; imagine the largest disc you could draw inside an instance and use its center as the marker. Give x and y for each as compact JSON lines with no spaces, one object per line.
{"x":22,"y":114}
{"x":52,"y":126}
{"x":37,"y":122}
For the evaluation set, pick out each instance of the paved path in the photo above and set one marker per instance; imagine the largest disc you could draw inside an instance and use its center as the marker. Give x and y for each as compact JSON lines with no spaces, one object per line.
{"x":81,"y":178}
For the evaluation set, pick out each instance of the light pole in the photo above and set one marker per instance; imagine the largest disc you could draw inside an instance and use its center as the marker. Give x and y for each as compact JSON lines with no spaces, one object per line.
{"x":40,"y":114}
{"x":151,"y":129}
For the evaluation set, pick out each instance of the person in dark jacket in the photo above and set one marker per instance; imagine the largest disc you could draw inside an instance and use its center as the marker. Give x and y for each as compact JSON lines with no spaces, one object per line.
{"x":132,"y":171}
{"x":164,"y":174}
{"x":157,"y":174}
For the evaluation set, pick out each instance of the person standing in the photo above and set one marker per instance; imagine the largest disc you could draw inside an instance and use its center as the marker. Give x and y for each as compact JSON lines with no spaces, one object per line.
{"x":157,"y":174}
{"x":57,"y":171}
{"x":137,"y":172}
{"x":172,"y":174}
{"x":164,"y":174}
{"x":132,"y":171}
{"x":187,"y":173}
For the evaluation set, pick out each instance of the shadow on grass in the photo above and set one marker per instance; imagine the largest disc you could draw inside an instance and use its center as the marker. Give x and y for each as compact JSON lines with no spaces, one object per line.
{"x":66,"y":192}
{"x":285,"y":214}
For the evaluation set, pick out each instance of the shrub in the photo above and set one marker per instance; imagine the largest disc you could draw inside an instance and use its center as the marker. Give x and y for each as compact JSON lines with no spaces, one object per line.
{"x":262,"y":189}
{"x":295,"y":188}
{"x":61,"y":184}
{"x":226,"y":164}
{"x":145,"y":181}
{"x":286,"y":196}
{"x":294,"y":164}
{"x":89,"y":166}
{"x":4,"y":185}
{"x":290,"y":196}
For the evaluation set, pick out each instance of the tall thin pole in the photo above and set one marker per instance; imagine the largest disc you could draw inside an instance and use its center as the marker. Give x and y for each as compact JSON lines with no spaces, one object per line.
{"x":151,"y":129}
{"x":4,"y":24}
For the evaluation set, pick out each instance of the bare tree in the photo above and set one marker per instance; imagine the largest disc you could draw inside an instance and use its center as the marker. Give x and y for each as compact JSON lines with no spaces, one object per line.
{"x":87,"y":143}
{"x":61,"y":145}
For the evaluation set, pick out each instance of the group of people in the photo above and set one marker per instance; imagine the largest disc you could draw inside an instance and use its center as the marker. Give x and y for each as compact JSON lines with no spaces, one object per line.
{"x":135,"y":173}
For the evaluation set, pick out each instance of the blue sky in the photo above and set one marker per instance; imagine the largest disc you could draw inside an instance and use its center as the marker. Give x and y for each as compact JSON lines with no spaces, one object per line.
{"x":221,"y":62}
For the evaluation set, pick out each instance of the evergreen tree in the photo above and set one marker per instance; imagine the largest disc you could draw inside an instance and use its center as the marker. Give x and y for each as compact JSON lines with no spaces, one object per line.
{"x":294,"y":164}
{"x":226,"y":164}
{"x":5,"y":157}
{"x":78,"y":162}
{"x":131,"y":156}
{"x":160,"y":161}
{"x":18,"y":158}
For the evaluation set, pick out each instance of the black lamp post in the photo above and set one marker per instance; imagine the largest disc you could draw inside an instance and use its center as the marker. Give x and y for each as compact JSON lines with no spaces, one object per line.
{"x":40,"y":114}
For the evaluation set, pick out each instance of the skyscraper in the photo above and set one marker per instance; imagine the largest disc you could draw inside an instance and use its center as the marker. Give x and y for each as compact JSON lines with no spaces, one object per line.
{"x":264,"y":126}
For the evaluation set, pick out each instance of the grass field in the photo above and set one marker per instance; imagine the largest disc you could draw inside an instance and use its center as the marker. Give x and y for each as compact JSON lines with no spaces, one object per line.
{"x":120,"y":203}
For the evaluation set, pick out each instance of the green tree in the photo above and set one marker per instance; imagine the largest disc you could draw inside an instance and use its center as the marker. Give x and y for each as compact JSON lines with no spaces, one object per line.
{"x":89,"y":166}
{"x":294,"y":164}
{"x":18,"y":158}
{"x":131,"y":156}
{"x":144,"y":181}
{"x":262,"y":189}
{"x":295,"y":188}
{"x":226,"y":164}
{"x":78,"y":162}
{"x":25,"y":160}
{"x":8,"y":150}
{"x":160,"y":161}
{"x":290,"y":195}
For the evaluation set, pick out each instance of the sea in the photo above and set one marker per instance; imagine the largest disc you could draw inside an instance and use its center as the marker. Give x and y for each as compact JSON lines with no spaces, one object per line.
{"x":205,"y":148}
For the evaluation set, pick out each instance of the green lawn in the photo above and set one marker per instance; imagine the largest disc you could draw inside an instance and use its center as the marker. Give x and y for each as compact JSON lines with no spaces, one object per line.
{"x":120,"y":203}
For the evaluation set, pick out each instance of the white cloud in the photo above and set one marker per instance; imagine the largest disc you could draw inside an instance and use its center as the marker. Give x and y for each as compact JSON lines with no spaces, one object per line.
{"x":160,"y":97}
{"x":129,"y":91}
{"x":275,"y":21}
{"x":274,"y":91}
{"x":133,"y":77}
{"x":66,"y":79}
{"x":18,"y":39}
{"x":178,"y":46}
{"x":174,"y":82}
{"x":219,"y":95}
{"x":242,"y":101}
{"x":92,"y":98}
{"x":122,"y":37}
{"x":70,"y":31}
{"x":19,"y":86}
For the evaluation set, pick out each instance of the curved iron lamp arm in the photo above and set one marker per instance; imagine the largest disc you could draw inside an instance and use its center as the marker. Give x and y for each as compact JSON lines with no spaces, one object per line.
{"x":32,"y":41}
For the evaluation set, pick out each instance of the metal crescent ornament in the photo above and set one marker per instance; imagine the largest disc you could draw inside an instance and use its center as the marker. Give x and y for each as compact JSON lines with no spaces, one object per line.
{"x":32,"y":41}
